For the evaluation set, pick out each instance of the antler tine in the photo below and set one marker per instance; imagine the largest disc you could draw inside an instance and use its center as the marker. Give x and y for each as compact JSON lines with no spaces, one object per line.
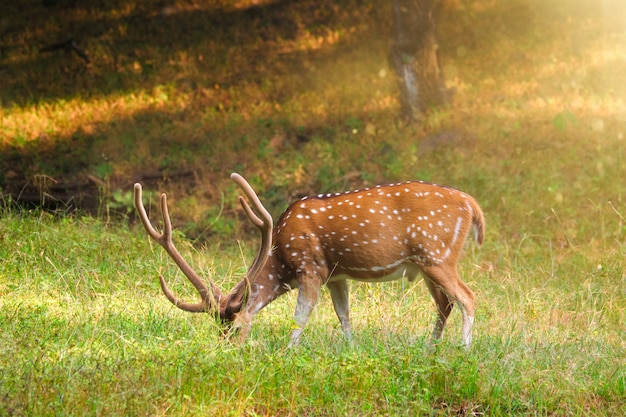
{"x":266,"y":217}
{"x":250,"y":213}
{"x":143,"y":216}
{"x":263,"y":221}
{"x":191,"y":307}
{"x":165,"y":240}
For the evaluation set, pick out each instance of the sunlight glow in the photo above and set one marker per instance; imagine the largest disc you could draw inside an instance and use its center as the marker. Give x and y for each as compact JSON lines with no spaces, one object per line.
{"x":62,"y":117}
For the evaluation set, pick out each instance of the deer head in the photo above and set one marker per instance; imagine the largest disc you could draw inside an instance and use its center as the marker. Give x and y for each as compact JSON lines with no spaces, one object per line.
{"x":376,"y":234}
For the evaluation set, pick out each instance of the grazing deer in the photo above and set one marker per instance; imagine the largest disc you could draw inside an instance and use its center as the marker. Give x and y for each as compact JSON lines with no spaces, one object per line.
{"x":376,"y":234}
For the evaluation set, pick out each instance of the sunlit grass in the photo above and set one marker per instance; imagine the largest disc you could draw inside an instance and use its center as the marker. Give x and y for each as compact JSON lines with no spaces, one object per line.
{"x":62,"y":118}
{"x":86,"y":330}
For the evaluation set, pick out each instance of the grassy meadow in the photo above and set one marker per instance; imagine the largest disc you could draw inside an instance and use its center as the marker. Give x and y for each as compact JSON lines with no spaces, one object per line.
{"x":299,"y":98}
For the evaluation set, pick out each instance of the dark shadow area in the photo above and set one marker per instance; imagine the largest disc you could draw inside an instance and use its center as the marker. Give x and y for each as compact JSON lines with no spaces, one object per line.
{"x":129,"y":51}
{"x":130,"y":46}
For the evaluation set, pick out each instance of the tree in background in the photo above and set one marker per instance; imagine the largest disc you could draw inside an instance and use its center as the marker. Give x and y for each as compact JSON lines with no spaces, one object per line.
{"x":415,"y":57}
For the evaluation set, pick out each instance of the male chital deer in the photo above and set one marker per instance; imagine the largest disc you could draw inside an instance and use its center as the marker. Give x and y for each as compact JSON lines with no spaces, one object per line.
{"x":375,"y":234}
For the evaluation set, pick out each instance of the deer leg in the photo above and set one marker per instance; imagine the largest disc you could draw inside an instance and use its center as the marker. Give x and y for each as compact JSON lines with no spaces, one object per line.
{"x":341,"y":302}
{"x":308,"y":294}
{"x":444,"y":308}
{"x":259,"y":298}
{"x":447,"y":279}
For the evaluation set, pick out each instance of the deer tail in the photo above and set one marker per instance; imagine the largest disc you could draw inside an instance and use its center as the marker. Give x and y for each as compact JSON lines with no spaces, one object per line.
{"x":478,"y":220}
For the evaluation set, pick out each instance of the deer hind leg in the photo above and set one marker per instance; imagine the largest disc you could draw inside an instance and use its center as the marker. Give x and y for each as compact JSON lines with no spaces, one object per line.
{"x":339,"y":295}
{"x":308,"y":294}
{"x":444,"y":308}
{"x":446,"y":279}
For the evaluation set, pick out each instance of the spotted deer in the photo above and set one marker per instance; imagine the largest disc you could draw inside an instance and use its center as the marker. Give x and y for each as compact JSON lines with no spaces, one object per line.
{"x":375,"y":234}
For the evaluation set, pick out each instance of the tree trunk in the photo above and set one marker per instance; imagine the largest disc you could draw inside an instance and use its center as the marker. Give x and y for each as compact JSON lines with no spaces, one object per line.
{"x":415,"y":58}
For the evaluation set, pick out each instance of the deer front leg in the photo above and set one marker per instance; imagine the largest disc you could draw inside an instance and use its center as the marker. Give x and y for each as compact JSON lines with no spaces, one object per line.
{"x":260,"y":296}
{"x":339,"y":295}
{"x":308,"y":294}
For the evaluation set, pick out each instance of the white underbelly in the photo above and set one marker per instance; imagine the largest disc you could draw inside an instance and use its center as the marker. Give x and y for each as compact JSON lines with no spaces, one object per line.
{"x":409,"y":271}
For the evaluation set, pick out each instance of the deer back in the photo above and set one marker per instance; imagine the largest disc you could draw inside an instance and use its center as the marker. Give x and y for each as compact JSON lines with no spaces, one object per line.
{"x":371,"y":232}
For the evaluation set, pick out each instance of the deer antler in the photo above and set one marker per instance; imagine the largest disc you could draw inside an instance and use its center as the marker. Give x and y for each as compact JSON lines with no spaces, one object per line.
{"x":210,"y":298}
{"x":264,"y":223}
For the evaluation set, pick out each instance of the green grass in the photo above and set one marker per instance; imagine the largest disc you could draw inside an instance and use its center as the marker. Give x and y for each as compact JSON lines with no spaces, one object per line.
{"x":541,"y":117}
{"x":85,"y":330}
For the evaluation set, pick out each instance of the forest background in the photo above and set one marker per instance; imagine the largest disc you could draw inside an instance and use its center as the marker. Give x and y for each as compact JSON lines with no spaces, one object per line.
{"x":300,"y":98}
